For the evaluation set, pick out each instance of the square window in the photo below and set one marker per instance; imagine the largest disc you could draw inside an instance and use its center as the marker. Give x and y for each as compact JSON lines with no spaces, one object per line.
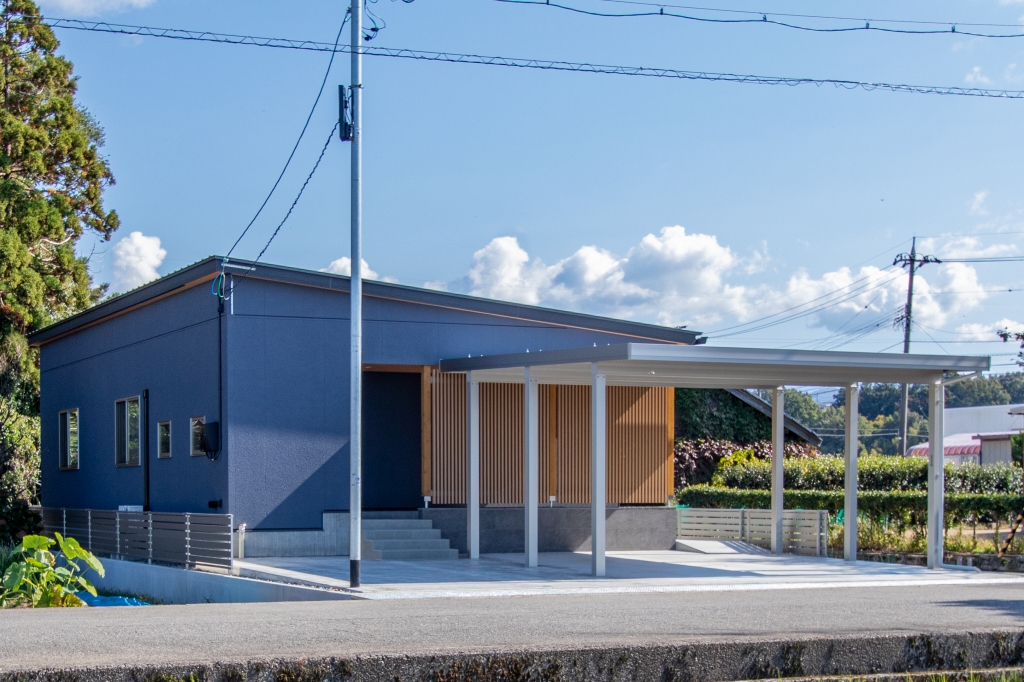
{"x":197,"y":427}
{"x":163,"y":440}
{"x":127,"y":431}
{"x":68,"y":439}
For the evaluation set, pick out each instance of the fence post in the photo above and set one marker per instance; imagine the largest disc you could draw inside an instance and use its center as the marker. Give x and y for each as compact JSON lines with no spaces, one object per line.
{"x":231,"y":537}
{"x":188,"y":541}
{"x":64,"y":521}
{"x":88,"y":529}
{"x":149,"y":558}
{"x":117,"y":534}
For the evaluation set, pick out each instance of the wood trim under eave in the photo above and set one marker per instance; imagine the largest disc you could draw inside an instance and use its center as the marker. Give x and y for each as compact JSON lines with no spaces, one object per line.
{"x":172,"y":292}
{"x":384,"y":367}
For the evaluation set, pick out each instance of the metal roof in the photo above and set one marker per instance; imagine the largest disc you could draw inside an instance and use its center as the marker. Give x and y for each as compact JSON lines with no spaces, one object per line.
{"x":206,"y":269}
{"x":646,"y":364}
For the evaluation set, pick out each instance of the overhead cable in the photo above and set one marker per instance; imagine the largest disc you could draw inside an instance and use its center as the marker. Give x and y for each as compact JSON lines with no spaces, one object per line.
{"x":295,"y":147}
{"x":523,"y":63}
{"x":759,"y":13}
{"x":766,"y":21}
{"x":298,"y":196}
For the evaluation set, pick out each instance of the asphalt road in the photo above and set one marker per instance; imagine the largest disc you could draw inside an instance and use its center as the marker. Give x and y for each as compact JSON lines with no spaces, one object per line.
{"x":227,"y":633}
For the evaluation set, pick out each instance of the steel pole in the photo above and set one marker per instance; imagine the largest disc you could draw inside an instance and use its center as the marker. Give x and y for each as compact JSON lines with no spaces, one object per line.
{"x":356,"y":298}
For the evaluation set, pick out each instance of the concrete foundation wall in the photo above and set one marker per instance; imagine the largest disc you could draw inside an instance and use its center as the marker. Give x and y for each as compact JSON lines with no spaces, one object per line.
{"x":178,"y":586}
{"x":560,"y":529}
{"x":331,"y":540}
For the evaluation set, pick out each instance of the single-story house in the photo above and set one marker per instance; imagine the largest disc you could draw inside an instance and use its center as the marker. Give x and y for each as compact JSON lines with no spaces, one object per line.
{"x":176,"y":400}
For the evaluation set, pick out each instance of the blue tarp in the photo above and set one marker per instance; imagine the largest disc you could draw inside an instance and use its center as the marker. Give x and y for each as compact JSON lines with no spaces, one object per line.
{"x":110,"y":601}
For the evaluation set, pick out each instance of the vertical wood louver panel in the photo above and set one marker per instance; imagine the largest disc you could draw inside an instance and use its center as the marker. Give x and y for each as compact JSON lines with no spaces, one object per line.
{"x":636,"y":445}
{"x":639,"y":455}
{"x":572,"y":460}
{"x":448,"y":438}
{"x":501,"y":443}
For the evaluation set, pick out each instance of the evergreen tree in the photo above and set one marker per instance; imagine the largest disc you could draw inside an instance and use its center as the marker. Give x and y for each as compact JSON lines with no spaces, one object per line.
{"x":52,"y":179}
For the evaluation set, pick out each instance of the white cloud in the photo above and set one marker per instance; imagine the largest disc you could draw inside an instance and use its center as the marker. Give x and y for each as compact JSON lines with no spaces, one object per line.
{"x":964,"y":247}
{"x":93,"y":7}
{"x":976,"y":77}
{"x":672,"y":277}
{"x":343,"y":266}
{"x":136,"y":258}
{"x":977,"y":331}
{"x":679,"y":278}
{"x":978,"y":203}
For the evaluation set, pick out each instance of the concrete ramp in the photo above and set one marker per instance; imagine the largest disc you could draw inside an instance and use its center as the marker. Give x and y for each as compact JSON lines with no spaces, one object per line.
{"x":718,"y":547}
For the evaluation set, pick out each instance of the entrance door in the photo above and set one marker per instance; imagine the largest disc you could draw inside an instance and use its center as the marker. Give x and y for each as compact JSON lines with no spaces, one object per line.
{"x":391,"y":440}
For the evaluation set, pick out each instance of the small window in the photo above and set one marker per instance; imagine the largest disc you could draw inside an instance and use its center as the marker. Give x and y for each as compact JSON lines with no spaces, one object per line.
{"x":163,"y":440}
{"x":196,"y":427}
{"x":68,"y":440}
{"x":127,"y":431}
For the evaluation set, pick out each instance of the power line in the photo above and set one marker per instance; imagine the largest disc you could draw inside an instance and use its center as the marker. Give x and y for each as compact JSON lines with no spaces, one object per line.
{"x":799,"y":305}
{"x":523,"y":63}
{"x":997,"y":259}
{"x":299,"y":195}
{"x":843,"y":297}
{"x":765,"y":21}
{"x":309,"y":117}
{"x":755,"y":13}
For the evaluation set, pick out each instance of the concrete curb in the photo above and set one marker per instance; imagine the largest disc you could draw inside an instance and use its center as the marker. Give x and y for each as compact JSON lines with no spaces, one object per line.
{"x":707,"y":662}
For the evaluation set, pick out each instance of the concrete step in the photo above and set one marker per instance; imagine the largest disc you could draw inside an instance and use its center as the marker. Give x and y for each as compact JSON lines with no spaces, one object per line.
{"x":391,"y":514}
{"x":391,"y":545}
{"x":407,"y":534}
{"x":419,"y":554}
{"x":396,"y":524}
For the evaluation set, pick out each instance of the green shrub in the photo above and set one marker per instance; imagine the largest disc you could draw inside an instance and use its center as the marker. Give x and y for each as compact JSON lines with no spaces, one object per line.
{"x":874,"y":473}
{"x":907,"y":507}
{"x":37,"y":577}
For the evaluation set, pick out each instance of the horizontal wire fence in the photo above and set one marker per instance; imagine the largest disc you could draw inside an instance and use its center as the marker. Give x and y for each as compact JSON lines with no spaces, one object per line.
{"x":804,"y":531}
{"x":202,"y":541}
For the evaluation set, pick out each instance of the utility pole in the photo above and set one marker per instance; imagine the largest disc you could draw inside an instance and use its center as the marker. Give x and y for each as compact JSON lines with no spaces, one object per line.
{"x":355,"y":495}
{"x":905,"y":319}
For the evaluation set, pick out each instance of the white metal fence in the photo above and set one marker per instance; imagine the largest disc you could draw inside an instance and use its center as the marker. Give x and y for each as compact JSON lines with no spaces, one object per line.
{"x":187,"y":540}
{"x":803,"y":531}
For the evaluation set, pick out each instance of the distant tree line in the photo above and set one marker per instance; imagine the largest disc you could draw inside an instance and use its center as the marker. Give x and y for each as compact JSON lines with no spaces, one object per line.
{"x":879,"y":410}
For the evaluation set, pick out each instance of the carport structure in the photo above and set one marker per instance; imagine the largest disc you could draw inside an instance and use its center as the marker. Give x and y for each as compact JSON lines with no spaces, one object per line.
{"x":700,"y":366}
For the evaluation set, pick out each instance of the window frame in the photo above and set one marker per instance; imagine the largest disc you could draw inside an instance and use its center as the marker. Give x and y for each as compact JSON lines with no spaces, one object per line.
{"x":170,"y":441}
{"x":128,"y":462}
{"x":192,"y":436}
{"x":64,"y":459}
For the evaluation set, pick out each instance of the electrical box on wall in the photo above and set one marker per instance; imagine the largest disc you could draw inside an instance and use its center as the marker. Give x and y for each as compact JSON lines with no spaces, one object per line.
{"x":211,"y":437}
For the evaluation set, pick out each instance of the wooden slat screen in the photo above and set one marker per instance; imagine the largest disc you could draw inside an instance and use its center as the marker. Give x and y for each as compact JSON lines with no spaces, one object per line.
{"x":639,"y":433}
{"x":448,"y":438}
{"x":501,"y":444}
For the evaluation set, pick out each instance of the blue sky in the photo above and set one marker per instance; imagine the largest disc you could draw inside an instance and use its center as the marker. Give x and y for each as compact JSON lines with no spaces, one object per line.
{"x":684,"y":203}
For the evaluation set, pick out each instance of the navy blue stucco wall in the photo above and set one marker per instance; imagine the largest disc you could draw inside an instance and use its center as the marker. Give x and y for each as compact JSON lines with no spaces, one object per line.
{"x":288,"y":382}
{"x":169,"y":347}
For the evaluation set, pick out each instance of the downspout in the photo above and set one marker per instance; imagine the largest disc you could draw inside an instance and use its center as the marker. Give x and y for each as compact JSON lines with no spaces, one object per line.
{"x":145,"y":452}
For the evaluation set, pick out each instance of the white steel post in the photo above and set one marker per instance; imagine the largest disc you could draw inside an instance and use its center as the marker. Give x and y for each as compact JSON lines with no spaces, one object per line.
{"x":936,"y":473}
{"x":472,"y":466}
{"x":598,"y":492}
{"x":850,"y":500}
{"x":778,"y":452}
{"x":531,"y":479}
{"x":356,"y":299}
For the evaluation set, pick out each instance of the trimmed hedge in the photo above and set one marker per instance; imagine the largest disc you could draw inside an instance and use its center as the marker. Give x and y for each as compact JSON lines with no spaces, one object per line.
{"x":874,"y":473}
{"x":877,"y":505}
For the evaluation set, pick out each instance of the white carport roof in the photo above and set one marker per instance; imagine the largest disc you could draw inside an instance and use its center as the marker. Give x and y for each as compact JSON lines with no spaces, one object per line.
{"x":651,"y":364}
